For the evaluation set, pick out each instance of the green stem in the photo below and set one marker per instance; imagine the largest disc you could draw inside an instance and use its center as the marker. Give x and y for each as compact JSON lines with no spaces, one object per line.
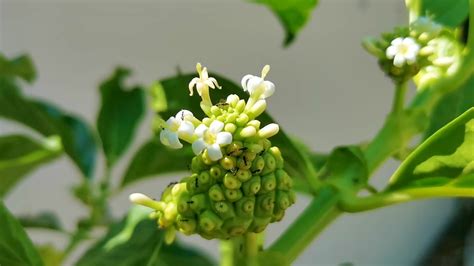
{"x":351,"y":204}
{"x":251,"y":249}
{"x":399,"y":98}
{"x":321,"y":211}
{"x":227,"y":252}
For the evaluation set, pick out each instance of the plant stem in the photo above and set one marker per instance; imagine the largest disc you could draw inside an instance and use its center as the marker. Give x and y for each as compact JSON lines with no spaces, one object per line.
{"x":251,"y":249}
{"x":399,"y":98}
{"x":227,"y":252}
{"x":321,"y":211}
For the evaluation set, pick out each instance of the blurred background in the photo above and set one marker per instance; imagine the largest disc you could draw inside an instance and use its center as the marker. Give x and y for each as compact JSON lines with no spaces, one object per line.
{"x":329,"y":92}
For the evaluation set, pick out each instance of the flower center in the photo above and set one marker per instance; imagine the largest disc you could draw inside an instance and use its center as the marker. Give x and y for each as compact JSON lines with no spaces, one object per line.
{"x":209,"y":137}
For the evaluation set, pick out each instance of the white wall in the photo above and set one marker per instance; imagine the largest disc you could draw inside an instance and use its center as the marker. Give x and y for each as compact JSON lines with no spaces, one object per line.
{"x":329,"y":92}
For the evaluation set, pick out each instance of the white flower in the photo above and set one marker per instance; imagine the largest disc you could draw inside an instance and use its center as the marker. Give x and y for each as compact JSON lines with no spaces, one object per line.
{"x":203,"y":83}
{"x":403,"y":50}
{"x":211,"y":138}
{"x":177,"y":127}
{"x":257,"y":86}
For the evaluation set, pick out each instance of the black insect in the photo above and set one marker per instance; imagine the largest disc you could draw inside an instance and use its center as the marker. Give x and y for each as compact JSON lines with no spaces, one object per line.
{"x":255,"y":171}
{"x":196,"y":183}
{"x":222,"y":103}
{"x":172,"y":183}
{"x":182,"y":115}
{"x":190,"y":202}
{"x":245,"y":160}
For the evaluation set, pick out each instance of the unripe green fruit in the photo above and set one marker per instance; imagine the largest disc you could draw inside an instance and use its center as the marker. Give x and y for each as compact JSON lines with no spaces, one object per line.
{"x":242,"y":192}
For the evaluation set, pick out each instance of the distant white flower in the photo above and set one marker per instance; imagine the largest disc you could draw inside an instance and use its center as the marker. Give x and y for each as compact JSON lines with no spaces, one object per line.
{"x":211,"y":138}
{"x":257,"y":86}
{"x":178,"y":126}
{"x":403,"y":50}
{"x":203,"y":83}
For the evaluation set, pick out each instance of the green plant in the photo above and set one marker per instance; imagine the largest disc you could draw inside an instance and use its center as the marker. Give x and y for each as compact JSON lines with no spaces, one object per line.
{"x":244,"y":170}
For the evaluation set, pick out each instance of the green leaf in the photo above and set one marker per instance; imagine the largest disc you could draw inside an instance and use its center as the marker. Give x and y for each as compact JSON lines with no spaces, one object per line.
{"x":20,"y":155}
{"x":45,"y":220}
{"x":346,"y":168}
{"x":293,"y":14}
{"x":451,"y":106}
{"x":76,"y":137}
{"x":448,"y":12}
{"x":445,"y":154}
{"x":121,"y":111}
{"x":21,"y":66}
{"x":137,"y":241}
{"x":153,"y":158}
{"x":297,"y":163}
{"x":15,"y":247}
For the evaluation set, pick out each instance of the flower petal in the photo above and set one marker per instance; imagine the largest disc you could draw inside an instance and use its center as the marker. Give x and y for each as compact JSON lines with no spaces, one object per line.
{"x":191,"y":85}
{"x":399,"y":60}
{"x":216,"y":126}
{"x":199,"y":131}
{"x":408,"y":41}
{"x":397,"y":41}
{"x":223,"y":138}
{"x":245,"y":81}
{"x":214,"y":152}
{"x":198,"y":146}
{"x":184,"y":115}
{"x":391,"y":52}
{"x":170,"y":139}
{"x":254,"y":84}
{"x":269,"y":89}
{"x":173,"y":123}
{"x":186,"y":129}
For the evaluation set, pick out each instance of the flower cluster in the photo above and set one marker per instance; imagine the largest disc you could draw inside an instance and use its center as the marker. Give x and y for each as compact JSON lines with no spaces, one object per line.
{"x":238,"y":183}
{"x":425,"y":50}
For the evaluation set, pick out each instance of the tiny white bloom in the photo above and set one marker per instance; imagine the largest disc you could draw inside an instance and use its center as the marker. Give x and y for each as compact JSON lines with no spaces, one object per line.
{"x":203,"y":82}
{"x":178,"y":126}
{"x":211,"y":138}
{"x":403,"y":50}
{"x":258,"y":86}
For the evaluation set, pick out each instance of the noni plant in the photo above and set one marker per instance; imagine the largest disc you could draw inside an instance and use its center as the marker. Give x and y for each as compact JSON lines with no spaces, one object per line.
{"x":238,"y":184}
{"x":234,"y":170}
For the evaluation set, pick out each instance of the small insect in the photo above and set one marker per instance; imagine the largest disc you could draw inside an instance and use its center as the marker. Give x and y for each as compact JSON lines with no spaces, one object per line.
{"x":182,"y":115}
{"x":245,"y":160}
{"x":255,"y":171}
{"x":196,"y":183}
{"x":172,"y":183}
{"x":222,"y":103}
{"x":234,"y":170}
{"x":190,"y":202}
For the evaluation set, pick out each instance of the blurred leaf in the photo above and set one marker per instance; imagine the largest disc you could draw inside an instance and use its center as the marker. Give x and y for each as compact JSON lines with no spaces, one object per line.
{"x":50,"y":254}
{"x":21,"y":66}
{"x":153,"y":158}
{"x":293,"y":14}
{"x":15,"y":246}
{"x":446,"y":154}
{"x":448,"y":12}
{"x":451,"y":106}
{"x":76,"y":137}
{"x":119,"y":115}
{"x":297,"y":163}
{"x":273,"y":258}
{"x":19,"y":155}
{"x":46,"y":220}
{"x":135,"y":241}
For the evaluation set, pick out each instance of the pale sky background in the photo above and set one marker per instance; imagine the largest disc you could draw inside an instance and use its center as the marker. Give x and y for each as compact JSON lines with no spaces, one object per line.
{"x":329,"y":92}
